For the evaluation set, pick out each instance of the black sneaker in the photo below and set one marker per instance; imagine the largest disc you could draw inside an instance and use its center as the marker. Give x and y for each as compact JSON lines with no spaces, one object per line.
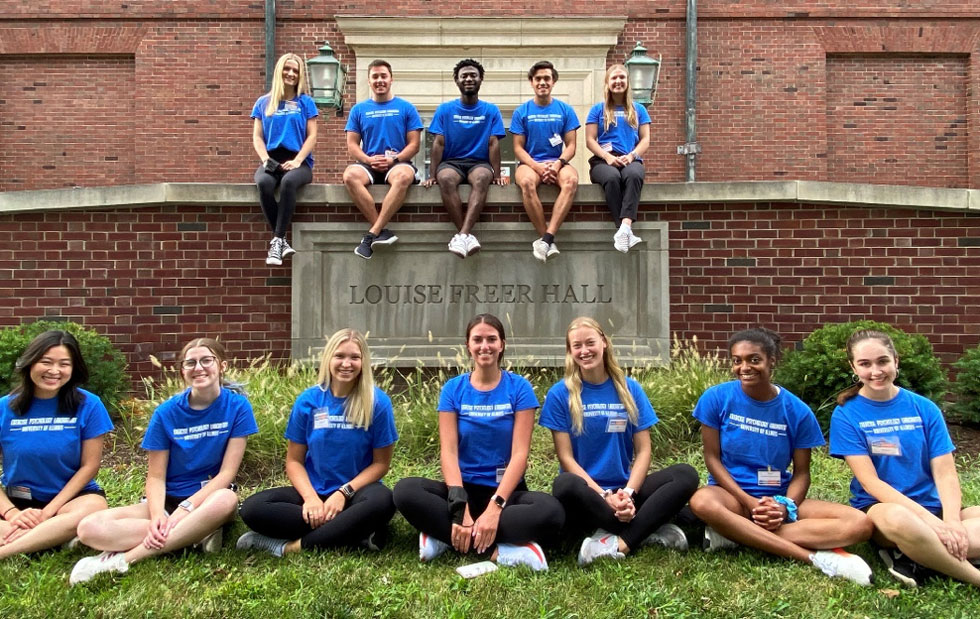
{"x":287,"y":251}
{"x":364,"y":249}
{"x":907,"y":571}
{"x":385,"y":237}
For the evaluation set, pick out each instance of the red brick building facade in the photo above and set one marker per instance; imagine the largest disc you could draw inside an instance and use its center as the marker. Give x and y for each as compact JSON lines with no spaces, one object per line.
{"x":864,"y":91}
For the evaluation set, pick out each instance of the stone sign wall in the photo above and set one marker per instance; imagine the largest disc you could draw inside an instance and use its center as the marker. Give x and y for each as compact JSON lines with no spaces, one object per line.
{"x":415,"y":297}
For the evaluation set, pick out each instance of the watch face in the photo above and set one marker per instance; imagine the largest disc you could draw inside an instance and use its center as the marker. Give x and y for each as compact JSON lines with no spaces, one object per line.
{"x":499,"y":500}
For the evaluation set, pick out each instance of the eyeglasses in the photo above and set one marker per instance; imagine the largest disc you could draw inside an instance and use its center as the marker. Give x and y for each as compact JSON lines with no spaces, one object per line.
{"x":206,"y":362}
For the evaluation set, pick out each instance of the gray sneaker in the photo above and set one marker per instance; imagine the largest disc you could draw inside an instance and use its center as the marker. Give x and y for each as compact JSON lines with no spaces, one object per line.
{"x":257,"y":541}
{"x":364,"y":249}
{"x":715,"y":541}
{"x":274,"y":256}
{"x":385,"y":237}
{"x":668,"y":536}
{"x":287,"y":251}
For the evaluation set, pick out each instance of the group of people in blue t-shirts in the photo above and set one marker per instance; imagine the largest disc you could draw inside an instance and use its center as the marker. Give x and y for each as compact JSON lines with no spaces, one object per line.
{"x":607,"y":499}
{"x":384,"y":136}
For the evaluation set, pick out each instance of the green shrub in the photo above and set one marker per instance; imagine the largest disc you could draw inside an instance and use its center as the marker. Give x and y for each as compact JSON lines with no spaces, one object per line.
{"x":674,"y":390}
{"x":820,"y":369}
{"x":106,"y":365}
{"x":967,"y":386}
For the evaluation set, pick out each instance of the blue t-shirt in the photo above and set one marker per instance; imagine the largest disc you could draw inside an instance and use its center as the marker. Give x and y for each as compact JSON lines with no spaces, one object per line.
{"x":287,"y":127}
{"x":605,"y":447}
{"x":901,"y":436}
{"x":619,"y":137}
{"x":382,"y":126}
{"x":757,"y":436}
{"x":336,"y":450}
{"x":467,"y":129}
{"x":485,"y":422}
{"x":544,"y":128}
{"x":196,"y":439}
{"x":42,"y":450}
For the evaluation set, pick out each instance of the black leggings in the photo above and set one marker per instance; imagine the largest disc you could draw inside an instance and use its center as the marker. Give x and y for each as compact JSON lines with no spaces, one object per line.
{"x":658,"y":500}
{"x":278,"y":512}
{"x":527,"y":517}
{"x":621,"y":186}
{"x":280,"y":214}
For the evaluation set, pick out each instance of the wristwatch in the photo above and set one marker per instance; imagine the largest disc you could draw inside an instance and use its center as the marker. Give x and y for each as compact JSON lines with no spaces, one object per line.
{"x":187,"y":505}
{"x":499,"y":500}
{"x":395,"y":160}
{"x":563,"y":162}
{"x":347,"y":490}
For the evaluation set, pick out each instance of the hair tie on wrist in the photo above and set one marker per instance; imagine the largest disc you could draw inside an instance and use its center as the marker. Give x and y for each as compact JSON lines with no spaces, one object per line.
{"x":4,"y":516}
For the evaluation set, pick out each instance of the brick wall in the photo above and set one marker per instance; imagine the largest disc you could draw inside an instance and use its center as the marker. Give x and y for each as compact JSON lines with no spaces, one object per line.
{"x":769,"y":85}
{"x":152,"y":277}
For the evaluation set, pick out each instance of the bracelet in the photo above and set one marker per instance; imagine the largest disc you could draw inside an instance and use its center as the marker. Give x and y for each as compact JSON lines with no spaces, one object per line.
{"x":4,"y":516}
{"x":790,"y":504}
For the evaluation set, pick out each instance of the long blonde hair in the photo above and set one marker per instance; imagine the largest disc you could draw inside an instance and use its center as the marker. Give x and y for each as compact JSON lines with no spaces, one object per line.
{"x":573,"y":376}
{"x":359,"y":407}
{"x":609,"y":109}
{"x":278,"y":90}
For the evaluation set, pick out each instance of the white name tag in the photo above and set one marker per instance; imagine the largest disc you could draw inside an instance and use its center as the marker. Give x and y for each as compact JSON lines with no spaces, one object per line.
{"x":391,"y":154}
{"x":291,"y":106}
{"x":19,"y":492}
{"x":885,"y":446}
{"x":500,"y":474}
{"x":616,"y":424}
{"x":769,"y":478}
{"x":555,"y":140}
{"x":321,"y":420}
{"x":607,"y":147}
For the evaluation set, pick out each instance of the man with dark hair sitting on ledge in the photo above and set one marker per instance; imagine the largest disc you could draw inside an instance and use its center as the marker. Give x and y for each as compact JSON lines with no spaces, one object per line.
{"x":544,"y":141}
{"x":383,"y":134}
{"x":466,"y":149}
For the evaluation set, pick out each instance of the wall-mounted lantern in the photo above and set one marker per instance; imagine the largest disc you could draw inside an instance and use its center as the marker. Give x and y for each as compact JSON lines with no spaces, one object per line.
{"x":327,"y":79}
{"x":644,"y":75}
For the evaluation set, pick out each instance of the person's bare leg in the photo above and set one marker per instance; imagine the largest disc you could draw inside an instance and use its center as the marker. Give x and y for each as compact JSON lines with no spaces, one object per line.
{"x":357,"y":181}
{"x":449,"y":181}
{"x":56,"y":530}
{"x":567,"y":188}
{"x":823,"y":525}
{"x":528,"y":180}
{"x":208,"y":516}
{"x":400,"y":178}
{"x":480,"y":179}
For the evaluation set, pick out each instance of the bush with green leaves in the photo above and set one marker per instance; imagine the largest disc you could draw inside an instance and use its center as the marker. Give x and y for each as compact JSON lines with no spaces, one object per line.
{"x":967,"y":386}
{"x":820,"y":370}
{"x":106,"y":365}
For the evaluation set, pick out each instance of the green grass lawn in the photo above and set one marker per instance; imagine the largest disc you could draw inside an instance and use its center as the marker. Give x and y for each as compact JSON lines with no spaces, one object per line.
{"x":353,"y":583}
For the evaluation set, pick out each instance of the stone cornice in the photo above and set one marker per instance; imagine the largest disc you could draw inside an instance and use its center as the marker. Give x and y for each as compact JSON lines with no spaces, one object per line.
{"x":227,"y":194}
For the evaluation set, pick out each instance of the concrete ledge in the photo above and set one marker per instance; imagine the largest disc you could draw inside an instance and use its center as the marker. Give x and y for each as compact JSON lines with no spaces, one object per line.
{"x":237,"y":194}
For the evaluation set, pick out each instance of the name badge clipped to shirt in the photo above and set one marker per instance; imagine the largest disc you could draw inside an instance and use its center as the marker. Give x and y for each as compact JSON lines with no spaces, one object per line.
{"x":885,"y":446}
{"x":769,"y":477}
{"x":616,"y":424}
{"x":391,"y":154}
{"x":321,"y":420}
{"x":555,"y":140}
{"x":291,"y":106}
{"x":19,"y":492}
{"x":607,"y":147}
{"x":500,"y":473}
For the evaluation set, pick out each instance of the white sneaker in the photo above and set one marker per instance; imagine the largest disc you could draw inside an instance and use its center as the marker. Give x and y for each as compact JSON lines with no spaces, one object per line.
{"x":715,"y":541}
{"x":458,"y":245}
{"x":540,"y":250}
{"x":72,"y":544}
{"x":553,"y":250}
{"x":212,"y":541}
{"x":88,"y":568}
{"x":634,"y":240}
{"x":529,"y":554}
{"x":430,"y":547}
{"x":669,"y":536}
{"x":472,"y":245}
{"x":600,"y":544}
{"x":621,"y":240}
{"x":837,"y":562}
{"x":252,"y":540}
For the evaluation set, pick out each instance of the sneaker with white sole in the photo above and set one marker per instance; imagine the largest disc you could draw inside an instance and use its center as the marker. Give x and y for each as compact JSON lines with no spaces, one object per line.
{"x":540,"y":250}
{"x":287,"y":251}
{"x":669,"y":536}
{"x":553,"y":250}
{"x":430,"y":547}
{"x":256,"y":541}
{"x":838,"y":563}
{"x":621,"y":240}
{"x":364,"y":249}
{"x":633,"y":240}
{"x":385,"y":237}
{"x":529,"y":554}
{"x":715,"y":541}
{"x":458,"y":245}
{"x":472,"y":245}
{"x":88,"y":568}
{"x":905,"y":570}
{"x":599,"y":544}
{"x":213,"y":541}
{"x":274,"y":255}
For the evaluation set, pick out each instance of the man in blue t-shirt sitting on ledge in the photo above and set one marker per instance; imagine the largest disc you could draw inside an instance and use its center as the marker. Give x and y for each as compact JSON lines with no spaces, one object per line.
{"x":466,"y":149}
{"x":383,"y":134}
